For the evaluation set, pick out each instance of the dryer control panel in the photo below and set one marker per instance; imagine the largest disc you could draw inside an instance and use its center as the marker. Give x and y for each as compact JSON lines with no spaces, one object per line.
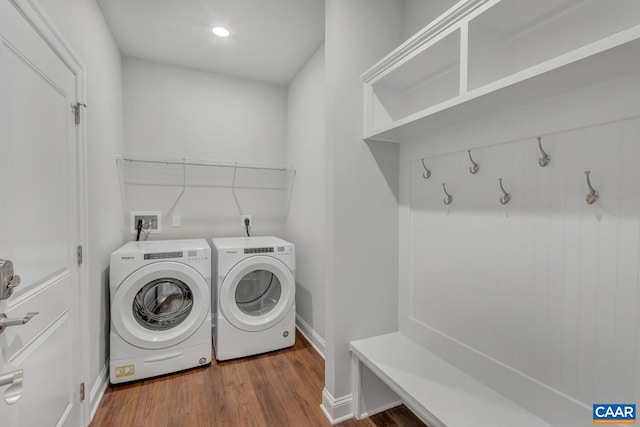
{"x":267,"y":250}
{"x":258,"y":250}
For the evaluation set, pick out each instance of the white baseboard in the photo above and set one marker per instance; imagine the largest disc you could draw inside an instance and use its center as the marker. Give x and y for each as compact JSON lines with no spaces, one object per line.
{"x":312,"y":336}
{"x":98,"y":389}
{"x":336,"y":410}
{"x":380,"y":409}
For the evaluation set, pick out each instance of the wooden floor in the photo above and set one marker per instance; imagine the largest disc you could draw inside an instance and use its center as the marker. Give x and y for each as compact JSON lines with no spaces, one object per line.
{"x":277,"y":389}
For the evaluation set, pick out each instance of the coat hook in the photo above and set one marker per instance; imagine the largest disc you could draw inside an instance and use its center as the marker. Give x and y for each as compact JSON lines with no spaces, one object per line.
{"x":545,"y":159}
{"x":476,"y":167}
{"x":593,"y":194}
{"x":447,"y":200}
{"x":506,"y":197}
{"x":427,"y":172}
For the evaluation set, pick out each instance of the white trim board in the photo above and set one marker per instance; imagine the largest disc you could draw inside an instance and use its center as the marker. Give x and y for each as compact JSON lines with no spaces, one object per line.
{"x":336,"y":410}
{"x":311,"y":335}
{"x":98,"y":390}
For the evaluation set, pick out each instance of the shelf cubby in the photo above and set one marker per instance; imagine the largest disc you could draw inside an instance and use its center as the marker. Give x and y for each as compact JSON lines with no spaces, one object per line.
{"x":424,"y":80}
{"x":514,"y":35}
{"x":487,"y":56}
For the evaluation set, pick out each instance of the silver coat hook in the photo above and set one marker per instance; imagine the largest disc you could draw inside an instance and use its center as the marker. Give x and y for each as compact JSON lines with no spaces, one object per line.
{"x":447,"y":200}
{"x":427,"y":173}
{"x":545,"y":159}
{"x":506,"y":197}
{"x":475,"y":167}
{"x":593,"y":194}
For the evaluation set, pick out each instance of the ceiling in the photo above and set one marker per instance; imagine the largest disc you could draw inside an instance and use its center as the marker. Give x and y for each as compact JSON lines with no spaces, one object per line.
{"x":270,"y":39}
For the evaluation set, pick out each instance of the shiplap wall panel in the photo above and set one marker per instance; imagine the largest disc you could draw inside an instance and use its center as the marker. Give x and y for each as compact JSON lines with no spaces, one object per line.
{"x":627,"y":363}
{"x":554,"y":177}
{"x":547,"y":284}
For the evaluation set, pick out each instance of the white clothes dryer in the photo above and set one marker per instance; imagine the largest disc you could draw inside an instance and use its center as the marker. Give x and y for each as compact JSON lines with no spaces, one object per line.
{"x":160,"y":308}
{"x":254,"y":296}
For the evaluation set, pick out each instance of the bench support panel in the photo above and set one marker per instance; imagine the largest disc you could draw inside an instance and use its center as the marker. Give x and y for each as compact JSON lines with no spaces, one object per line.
{"x":370,"y":395}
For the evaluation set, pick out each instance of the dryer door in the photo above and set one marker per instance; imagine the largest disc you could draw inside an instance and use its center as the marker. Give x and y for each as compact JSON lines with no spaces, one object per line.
{"x":160,"y":305}
{"x":257,"y":293}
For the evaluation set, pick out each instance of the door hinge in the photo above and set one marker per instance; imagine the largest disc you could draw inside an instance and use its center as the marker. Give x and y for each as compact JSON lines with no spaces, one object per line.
{"x":82,"y":392}
{"x":75,"y":109}
{"x":79,"y":254}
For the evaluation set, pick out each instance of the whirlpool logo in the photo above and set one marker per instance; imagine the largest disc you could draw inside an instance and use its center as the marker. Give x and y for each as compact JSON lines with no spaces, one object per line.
{"x":609,"y":413}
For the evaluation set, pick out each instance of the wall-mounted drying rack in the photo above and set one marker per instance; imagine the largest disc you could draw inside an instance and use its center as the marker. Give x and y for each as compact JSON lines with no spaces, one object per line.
{"x":145,"y":170}
{"x":166,"y":171}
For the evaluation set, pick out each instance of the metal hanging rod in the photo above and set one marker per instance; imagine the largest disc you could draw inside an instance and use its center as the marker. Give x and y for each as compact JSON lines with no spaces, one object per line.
{"x":189,"y":162}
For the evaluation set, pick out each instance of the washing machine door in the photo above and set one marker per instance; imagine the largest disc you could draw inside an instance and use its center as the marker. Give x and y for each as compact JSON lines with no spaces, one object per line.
{"x":160,"y":305}
{"x":257,"y":293}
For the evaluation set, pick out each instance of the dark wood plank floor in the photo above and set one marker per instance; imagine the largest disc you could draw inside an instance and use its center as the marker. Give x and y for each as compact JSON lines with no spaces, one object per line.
{"x":277,"y":389}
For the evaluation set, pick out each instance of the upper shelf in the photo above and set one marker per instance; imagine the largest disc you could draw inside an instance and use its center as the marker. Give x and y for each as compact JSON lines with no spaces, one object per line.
{"x":166,"y":171}
{"x":483,"y":57}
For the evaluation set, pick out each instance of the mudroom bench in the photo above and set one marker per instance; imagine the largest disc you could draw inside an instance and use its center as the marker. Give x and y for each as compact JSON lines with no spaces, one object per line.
{"x":436,"y":391}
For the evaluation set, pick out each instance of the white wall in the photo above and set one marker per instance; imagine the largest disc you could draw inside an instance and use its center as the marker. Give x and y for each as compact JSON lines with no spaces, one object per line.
{"x":305,"y":224}
{"x":537,"y":298}
{"x":89,"y":36}
{"x":362,"y":190}
{"x":180,"y":112}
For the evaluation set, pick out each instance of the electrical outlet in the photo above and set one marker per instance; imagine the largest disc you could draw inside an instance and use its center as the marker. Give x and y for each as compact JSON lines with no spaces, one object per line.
{"x":175,"y":222}
{"x":243,"y":217}
{"x":151,"y":221}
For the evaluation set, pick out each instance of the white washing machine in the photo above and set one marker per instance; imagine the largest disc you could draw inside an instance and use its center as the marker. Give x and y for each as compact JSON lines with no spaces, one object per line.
{"x":254,"y":296}
{"x":160,"y":308}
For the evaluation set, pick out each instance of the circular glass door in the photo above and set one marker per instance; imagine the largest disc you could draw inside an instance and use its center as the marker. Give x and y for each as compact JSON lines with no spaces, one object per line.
{"x":257,"y":293}
{"x":160,"y":305}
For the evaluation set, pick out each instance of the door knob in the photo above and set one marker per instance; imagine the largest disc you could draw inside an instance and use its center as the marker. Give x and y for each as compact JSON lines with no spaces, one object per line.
{"x":8,"y":280}
{"x":14,"y":381}
{"x":4,"y":321}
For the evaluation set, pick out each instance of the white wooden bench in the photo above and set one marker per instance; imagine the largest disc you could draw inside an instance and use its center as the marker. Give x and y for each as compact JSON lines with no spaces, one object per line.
{"x":436,"y":391}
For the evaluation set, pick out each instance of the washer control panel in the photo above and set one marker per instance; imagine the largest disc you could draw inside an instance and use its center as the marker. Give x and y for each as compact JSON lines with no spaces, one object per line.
{"x":188,"y":255}
{"x":164,"y":255}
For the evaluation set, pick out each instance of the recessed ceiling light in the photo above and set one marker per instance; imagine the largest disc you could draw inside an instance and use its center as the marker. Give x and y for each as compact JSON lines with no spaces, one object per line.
{"x":220,"y":31}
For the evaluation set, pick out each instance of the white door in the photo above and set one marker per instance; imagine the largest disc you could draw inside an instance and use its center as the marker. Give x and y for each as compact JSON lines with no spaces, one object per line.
{"x":39,"y":231}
